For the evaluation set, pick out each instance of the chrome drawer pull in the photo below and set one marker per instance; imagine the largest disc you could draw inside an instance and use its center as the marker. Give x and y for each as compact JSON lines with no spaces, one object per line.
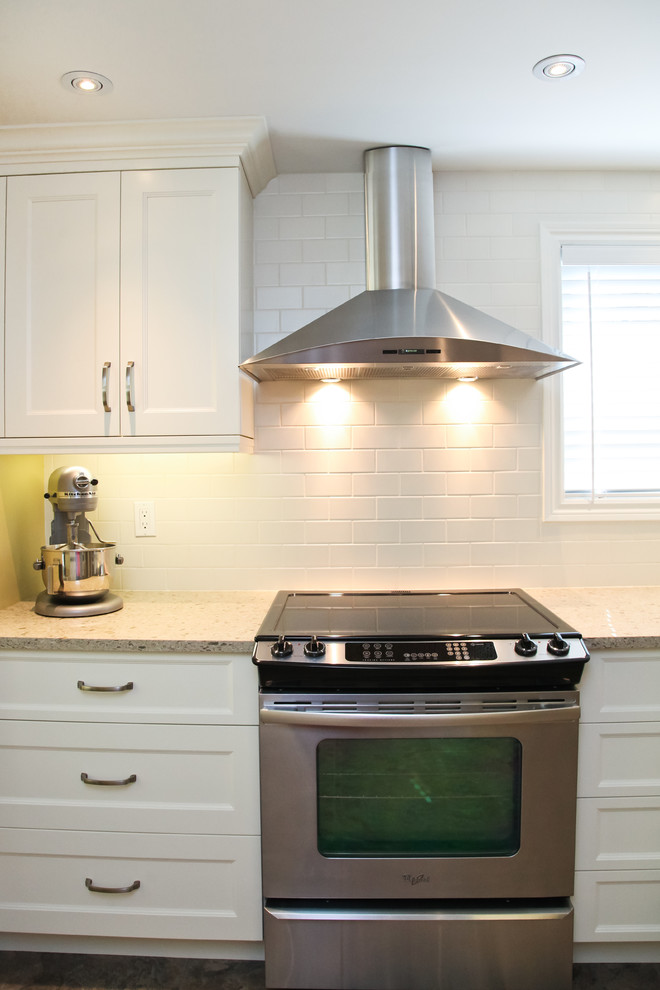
{"x":111,"y":890}
{"x":128,"y":686}
{"x":108,"y":783}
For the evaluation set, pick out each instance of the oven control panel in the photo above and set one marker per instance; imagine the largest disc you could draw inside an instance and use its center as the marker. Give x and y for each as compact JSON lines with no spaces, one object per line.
{"x":318,"y":651}
{"x":383,"y":651}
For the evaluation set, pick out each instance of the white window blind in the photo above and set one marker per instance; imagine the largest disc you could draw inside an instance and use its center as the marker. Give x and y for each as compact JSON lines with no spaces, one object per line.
{"x":611,"y":403}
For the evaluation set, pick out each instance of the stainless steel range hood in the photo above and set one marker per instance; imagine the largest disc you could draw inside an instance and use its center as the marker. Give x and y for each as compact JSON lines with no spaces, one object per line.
{"x":401,"y":326}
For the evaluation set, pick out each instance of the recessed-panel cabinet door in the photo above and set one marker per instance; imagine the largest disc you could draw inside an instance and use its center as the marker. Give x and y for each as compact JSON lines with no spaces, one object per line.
{"x":62,"y":305}
{"x":180,"y":302}
{"x":3,"y":190}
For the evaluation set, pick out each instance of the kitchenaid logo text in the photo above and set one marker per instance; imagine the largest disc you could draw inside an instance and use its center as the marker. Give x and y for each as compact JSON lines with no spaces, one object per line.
{"x":417,"y":878}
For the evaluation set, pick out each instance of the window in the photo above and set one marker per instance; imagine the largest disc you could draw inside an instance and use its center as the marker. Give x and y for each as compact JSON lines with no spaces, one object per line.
{"x":602,"y":306}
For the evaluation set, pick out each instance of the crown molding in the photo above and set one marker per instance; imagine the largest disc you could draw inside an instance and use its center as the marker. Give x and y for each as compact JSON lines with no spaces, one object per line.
{"x":198,"y":140}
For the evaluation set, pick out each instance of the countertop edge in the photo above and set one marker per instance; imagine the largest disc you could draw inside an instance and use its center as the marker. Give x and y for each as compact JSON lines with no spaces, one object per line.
{"x":126,"y":645}
{"x":241,"y":647}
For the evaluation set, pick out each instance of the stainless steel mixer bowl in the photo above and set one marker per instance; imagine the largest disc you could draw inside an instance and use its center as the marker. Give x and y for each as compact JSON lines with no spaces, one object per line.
{"x":75,"y":573}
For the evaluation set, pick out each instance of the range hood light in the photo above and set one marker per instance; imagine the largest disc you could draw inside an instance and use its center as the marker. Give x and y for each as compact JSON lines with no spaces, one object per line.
{"x":469,"y":378}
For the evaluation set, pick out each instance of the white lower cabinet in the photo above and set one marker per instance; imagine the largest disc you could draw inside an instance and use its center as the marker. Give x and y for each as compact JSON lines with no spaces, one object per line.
{"x":617,"y":887}
{"x":129,"y":796}
{"x":130,"y":885}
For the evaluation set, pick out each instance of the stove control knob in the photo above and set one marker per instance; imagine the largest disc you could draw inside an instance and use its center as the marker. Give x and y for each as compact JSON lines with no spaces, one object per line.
{"x":315,"y":648}
{"x":282,"y":648}
{"x":558,"y":646}
{"x":526,"y":647}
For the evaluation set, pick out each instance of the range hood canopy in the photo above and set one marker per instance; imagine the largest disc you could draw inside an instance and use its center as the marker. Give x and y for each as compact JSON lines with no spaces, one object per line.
{"x":401,"y":326}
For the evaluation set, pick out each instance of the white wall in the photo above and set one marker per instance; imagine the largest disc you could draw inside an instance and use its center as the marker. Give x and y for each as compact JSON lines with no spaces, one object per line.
{"x":386,"y":484}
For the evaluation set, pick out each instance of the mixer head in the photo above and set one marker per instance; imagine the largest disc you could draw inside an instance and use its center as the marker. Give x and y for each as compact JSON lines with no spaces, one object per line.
{"x":72,"y":490}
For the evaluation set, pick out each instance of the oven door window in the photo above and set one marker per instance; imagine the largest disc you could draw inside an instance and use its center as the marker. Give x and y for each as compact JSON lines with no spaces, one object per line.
{"x":419,"y":797}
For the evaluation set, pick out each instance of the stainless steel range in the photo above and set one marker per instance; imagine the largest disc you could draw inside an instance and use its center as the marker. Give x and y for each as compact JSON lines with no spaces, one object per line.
{"x":418,"y":781}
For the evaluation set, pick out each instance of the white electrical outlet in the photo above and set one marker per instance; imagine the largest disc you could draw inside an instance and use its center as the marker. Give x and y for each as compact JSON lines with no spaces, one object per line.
{"x":145,"y":519}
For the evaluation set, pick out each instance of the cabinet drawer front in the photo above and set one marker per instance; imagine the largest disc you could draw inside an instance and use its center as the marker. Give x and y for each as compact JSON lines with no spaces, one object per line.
{"x":618,"y":834}
{"x":619,"y":759}
{"x":195,"y":689}
{"x":620,"y":686}
{"x":174,"y":778}
{"x":617,"y":906}
{"x":201,"y":887}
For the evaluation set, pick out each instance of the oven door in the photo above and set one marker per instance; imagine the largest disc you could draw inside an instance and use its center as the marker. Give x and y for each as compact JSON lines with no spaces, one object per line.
{"x":469,"y":796}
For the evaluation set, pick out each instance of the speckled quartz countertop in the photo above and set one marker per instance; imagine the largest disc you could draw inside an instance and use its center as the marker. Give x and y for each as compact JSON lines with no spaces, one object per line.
{"x":165,"y":622}
{"x":226,"y":621}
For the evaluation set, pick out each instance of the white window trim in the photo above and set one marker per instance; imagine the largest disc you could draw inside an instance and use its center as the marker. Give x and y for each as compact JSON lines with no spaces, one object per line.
{"x":556,"y":508}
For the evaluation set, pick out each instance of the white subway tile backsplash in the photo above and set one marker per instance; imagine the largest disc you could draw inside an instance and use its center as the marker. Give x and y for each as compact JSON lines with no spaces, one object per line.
{"x":384,"y":484}
{"x":352,"y":508}
{"x":337,"y":250}
{"x":329,"y":532}
{"x":325,"y":204}
{"x":425,"y":484}
{"x":279,"y":297}
{"x":446,"y":507}
{"x":278,"y":206}
{"x":297,"y":228}
{"x":469,"y":530}
{"x":402,"y":462}
{"x":371,"y":532}
{"x":399,"y":508}
{"x":324,"y":297}
{"x":470,"y":483}
{"x":349,"y":226}
{"x":400,"y":555}
{"x":305,"y":273}
{"x":376,"y":484}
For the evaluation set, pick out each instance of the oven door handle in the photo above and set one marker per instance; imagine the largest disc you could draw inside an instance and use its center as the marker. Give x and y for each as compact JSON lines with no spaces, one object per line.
{"x":415,"y":912}
{"x":372,"y":720}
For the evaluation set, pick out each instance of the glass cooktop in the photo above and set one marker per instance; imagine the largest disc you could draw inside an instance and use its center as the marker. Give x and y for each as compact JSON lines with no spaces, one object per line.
{"x":403,"y":614}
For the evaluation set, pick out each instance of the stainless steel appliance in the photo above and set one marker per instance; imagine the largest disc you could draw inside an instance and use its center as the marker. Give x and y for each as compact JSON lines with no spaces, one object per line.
{"x":75,"y":569}
{"x":418,"y":786}
{"x":402,"y":326}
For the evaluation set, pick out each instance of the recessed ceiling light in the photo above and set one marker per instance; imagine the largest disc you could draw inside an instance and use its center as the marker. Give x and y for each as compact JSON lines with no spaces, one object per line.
{"x":558,"y":67}
{"x":86,"y":82}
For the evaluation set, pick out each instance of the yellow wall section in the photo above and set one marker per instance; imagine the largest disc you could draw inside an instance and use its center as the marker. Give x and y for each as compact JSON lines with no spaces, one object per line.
{"x":21,"y":526}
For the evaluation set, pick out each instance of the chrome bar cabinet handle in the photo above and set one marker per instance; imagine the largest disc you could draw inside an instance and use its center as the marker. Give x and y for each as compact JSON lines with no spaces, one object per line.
{"x":130,"y":386}
{"x":104,"y":386}
{"x":86,"y":779}
{"x":89,"y":883}
{"x":128,"y":686}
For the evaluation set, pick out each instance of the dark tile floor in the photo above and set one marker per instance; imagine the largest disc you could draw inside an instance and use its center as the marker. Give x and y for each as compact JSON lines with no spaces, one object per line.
{"x":55,"y":971}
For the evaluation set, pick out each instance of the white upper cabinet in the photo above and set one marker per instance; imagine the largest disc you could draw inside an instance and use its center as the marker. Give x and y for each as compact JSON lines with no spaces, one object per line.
{"x":128,"y":279}
{"x":158,"y":359}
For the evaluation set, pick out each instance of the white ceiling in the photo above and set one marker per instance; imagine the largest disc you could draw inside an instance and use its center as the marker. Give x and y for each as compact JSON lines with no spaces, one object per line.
{"x":333,"y":77}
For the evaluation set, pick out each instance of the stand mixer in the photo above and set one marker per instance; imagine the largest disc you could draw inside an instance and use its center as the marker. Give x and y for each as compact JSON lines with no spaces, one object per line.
{"x":74,"y":568}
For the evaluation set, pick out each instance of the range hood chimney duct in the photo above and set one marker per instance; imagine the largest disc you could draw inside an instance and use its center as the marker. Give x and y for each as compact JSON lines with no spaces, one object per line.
{"x":400,"y":250}
{"x":402,"y":326}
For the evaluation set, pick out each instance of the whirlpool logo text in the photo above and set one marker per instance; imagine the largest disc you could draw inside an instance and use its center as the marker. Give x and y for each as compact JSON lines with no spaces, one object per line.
{"x":414,"y":879}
